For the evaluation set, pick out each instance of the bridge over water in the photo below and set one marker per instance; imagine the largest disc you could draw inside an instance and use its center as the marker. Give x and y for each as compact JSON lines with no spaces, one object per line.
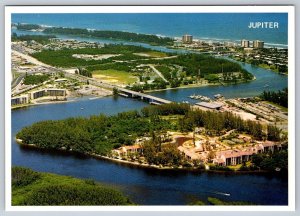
{"x":121,"y":91}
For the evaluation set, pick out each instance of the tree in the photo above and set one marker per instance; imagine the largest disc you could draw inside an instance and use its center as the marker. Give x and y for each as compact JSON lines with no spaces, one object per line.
{"x":115,"y":91}
{"x":273,"y":133}
{"x":211,"y":155}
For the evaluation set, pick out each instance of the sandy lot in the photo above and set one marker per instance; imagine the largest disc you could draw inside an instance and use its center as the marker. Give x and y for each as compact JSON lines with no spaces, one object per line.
{"x":94,"y":57}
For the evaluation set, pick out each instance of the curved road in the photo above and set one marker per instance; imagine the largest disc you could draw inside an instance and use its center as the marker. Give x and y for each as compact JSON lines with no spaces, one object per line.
{"x":17,"y":80}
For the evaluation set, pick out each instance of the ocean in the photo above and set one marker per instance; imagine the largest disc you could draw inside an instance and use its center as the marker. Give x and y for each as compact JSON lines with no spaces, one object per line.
{"x":208,"y":26}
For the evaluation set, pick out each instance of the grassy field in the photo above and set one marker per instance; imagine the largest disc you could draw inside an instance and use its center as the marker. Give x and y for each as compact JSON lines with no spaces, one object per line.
{"x":265,"y":66}
{"x":36,"y":188}
{"x":156,"y":54}
{"x":114,"y":76}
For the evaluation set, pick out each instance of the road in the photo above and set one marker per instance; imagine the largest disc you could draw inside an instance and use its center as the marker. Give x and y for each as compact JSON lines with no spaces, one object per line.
{"x":158,"y":73}
{"x":94,"y":81}
{"x":16,"y":81}
{"x":30,"y":59}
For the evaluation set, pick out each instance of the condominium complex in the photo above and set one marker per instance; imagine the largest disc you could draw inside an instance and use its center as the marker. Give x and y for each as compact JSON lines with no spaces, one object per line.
{"x":245,"y":43}
{"x":187,"y":38}
{"x":258,"y":44}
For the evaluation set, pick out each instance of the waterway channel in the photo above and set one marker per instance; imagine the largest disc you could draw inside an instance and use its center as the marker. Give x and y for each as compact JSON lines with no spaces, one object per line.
{"x":144,"y":186}
{"x":147,"y":186}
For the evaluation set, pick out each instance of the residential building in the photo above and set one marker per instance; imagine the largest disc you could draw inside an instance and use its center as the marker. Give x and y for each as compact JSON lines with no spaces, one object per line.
{"x":187,"y":38}
{"x":245,"y":43}
{"x":23,"y":99}
{"x":258,"y":44}
{"x":126,"y":150}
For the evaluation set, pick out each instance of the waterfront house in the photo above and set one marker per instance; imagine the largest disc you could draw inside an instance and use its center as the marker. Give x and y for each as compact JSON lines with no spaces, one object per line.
{"x":127,"y":150}
{"x":237,"y":156}
{"x":189,"y":154}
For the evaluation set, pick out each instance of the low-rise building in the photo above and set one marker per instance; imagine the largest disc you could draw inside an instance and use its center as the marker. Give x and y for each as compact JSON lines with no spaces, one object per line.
{"x":126,"y":150}
{"x":48,"y":92}
{"x":23,"y":99}
{"x":237,"y":156}
{"x":37,"y":94}
{"x":209,"y":106}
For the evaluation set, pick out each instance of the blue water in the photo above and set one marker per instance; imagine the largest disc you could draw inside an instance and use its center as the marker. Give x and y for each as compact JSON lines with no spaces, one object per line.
{"x":225,"y":26}
{"x":266,"y":80}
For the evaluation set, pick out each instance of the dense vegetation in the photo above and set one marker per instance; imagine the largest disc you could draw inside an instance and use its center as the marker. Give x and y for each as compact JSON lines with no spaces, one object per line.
{"x":64,"y":58}
{"x":100,"y":134}
{"x":96,"y":134}
{"x":166,"y":155}
{"x":42,"y":39}
{"x":27,"y":27}
{"x":83,"y":72}
{"x":201,"y":65}
{"x":271,"y":161}
{"x":214,"y":122}
{"x":194,"y":67}
{"x":279,"y":97}
{"x":183,"y":69}
{"x":21,"y":177}
{"x":118,"y":35}
{"x":34,"y":188}
{"x":35,"y":79}
{"x":215,"y":201}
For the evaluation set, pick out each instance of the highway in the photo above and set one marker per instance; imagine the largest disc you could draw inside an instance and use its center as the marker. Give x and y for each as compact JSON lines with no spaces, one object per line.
{"x":16,"y":81}
{"x":92,"y":81}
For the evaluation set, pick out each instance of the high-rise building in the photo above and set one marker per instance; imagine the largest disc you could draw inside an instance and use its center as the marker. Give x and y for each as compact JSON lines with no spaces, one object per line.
{"x":258,"y":44}
{"x":187,"y":38}
{"x":229,"y":44}
{"x":245,"y":43}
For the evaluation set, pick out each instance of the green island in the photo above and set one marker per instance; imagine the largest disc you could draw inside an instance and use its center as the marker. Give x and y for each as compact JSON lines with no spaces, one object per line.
{"x":43,"y":39}
{"x":42,"y":189}
{"x":101,"y":135}
{"x":106,"y":34}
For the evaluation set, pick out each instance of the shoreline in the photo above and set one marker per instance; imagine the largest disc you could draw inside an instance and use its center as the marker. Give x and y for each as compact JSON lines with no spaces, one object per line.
{"x":72,"y":99}
{"x":75,"y":98}
{"x":199,"y":86}
{"x":269,"y":44}
{"x":143,"y":166}
{"x":252,"y":65}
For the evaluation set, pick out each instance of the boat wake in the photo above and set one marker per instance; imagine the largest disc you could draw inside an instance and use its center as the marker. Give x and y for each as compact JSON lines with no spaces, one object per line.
{"x":220,"y":193}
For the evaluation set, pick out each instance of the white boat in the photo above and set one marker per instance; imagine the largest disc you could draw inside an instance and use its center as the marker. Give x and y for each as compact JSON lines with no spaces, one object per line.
{"x":199,"y":97}
{"x":218,"y":96}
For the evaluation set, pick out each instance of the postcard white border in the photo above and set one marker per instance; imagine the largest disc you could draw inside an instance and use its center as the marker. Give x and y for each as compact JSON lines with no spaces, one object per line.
{"x":153,"y":9}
